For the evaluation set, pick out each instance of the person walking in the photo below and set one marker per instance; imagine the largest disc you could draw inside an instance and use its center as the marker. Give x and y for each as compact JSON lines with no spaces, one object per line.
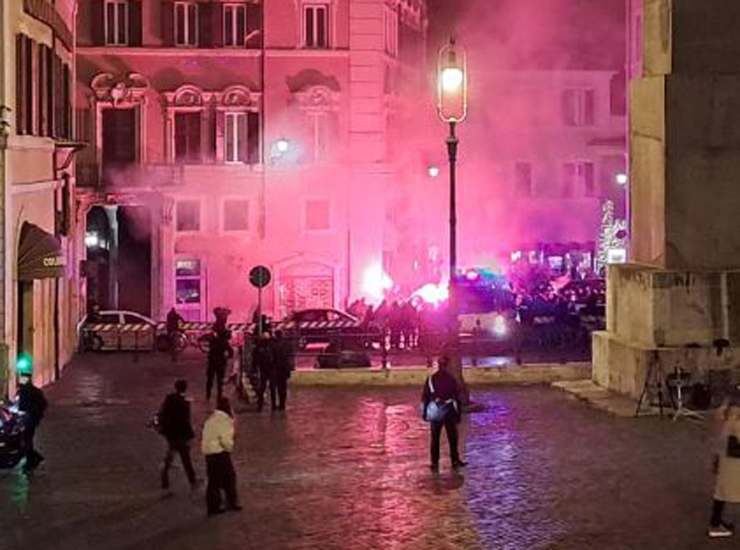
{"x":440,"y":401}
{"x":217,"y":445}
{"x":173,"y":329}
{"x":726,"y":468}
{"x":176,"y":427}
{"x":264,"y":360}
{"x":32,"y":401}
{"x":219,"y":353}
{"x":284,"y":365}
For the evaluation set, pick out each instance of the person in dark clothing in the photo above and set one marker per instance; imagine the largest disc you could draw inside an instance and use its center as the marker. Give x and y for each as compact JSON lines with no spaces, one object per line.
{"x":173,"y":328}
{"x":264,"y":360}
{"x":284,"y":364}
{"x":176,"y":427}
{"x":219,"y":352}
{"x":32,"y":402}
{"x":443,"y":388}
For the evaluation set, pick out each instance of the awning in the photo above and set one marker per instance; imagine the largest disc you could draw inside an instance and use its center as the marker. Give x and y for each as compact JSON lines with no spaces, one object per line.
{"x":40,"y":254}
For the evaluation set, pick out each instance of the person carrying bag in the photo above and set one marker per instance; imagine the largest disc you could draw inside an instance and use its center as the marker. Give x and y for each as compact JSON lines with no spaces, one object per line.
{"x":440,"y":407}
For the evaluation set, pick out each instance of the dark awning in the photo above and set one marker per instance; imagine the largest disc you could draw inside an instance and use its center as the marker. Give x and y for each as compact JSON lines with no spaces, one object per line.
{"x":40,"y":254}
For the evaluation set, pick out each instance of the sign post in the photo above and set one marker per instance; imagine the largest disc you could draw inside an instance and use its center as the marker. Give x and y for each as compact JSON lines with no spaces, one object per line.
{"x":260,"y":277}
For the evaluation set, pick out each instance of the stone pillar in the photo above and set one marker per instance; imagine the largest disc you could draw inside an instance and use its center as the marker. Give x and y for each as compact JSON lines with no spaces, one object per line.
{"x":678,"y":302}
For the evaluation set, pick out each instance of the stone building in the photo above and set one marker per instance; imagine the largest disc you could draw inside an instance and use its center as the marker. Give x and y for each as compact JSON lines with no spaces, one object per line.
{"x":227,"y":134}
{"x":39,"y":294}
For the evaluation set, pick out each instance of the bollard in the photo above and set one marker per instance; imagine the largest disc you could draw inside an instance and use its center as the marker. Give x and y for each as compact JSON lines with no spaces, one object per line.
{"x":136,"y":345}
{"x":384,"y":353}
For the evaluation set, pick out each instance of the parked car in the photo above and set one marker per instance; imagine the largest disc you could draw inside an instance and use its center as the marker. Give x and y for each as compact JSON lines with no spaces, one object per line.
{"x":320,"y":325}
{"x":12,"y":426}
{"x":116,"y":330}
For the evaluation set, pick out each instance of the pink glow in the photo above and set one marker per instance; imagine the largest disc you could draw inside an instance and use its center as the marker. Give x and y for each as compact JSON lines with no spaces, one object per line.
{"x":375,"y":283}
{"x":433,"y":294}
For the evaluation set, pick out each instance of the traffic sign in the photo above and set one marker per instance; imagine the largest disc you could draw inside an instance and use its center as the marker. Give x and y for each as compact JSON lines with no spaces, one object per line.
{"x":260,"y":276}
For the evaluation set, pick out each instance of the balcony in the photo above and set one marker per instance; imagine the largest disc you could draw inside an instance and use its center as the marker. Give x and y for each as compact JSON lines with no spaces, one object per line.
{"x":131,"y":176}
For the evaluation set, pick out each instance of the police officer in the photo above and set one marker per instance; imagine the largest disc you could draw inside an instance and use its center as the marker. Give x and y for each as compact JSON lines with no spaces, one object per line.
{"x":31,"y":400}
{"x":219,"y":352}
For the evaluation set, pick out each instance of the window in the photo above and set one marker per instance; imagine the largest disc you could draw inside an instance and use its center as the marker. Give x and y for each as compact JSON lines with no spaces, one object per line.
{"x":188,"y":216}
{"x":236,"y":215}
{"x":235,"y":24}
{"x":317,"y":215}
{"x":578,"y":107}
{"x":390,"y":17}
{"x":188,"y":288}
{"x":186,"y":24}
{"x":316,"y":26}
{"x":523,"y":179}
{"x":24,"y":49}
{"x":241,"y":139}
{"x":579,"y":179}
{"x":187,"y":137}
{"x":116,"y":22}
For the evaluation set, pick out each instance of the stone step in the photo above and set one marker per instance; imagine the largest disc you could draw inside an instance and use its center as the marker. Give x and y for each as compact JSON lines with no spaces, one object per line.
{"x":604,"y":400}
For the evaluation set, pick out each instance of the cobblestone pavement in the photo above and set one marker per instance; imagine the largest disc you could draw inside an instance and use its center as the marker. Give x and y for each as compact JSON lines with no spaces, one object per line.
{"x":347,"y":469}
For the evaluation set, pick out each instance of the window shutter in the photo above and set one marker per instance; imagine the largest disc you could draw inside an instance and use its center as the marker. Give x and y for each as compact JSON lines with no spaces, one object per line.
{"x":30,"y":75}
{"x":168,"y":23}
{"x":217,"y":26}
{"x":194,"y":137}
{"x":243,"y":138}
{"x":567,"y":107}
{"x":254,"y":24}
{"x":97,"y":19}
{"x":20,"y":84}
{"x":58,"y":106}
{"x":50,"y":91}
{"x":135,"y":23}
{"x":588,"y":178}
{"x":253,"y":138}
{"x":41,"y":96}
{"x":205,"y":25}
{"x":590,"y":107}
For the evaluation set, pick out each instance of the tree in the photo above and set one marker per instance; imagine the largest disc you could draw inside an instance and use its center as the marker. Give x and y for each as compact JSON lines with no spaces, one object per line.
{"x":612,"y":234}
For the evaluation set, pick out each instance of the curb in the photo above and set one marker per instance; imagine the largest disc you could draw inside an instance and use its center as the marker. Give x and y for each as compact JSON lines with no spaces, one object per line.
{"x":414,"y":376}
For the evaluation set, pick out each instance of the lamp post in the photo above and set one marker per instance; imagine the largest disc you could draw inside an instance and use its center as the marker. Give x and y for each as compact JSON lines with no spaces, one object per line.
{"x":452,"y":108}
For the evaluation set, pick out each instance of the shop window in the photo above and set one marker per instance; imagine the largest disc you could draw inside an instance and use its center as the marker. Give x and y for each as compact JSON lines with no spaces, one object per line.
{"x":188,"y":273}
{"x":188,"y":216}
{"x":316,"y":26}
{"x":236,"y":215}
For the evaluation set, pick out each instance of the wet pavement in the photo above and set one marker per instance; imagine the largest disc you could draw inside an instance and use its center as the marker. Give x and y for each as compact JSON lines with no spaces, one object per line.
{"x":346,"y":468}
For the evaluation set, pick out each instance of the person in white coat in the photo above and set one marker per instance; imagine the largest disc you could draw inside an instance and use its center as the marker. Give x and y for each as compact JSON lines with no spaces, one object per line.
{"x":217,"y":445}
{"x":727,"y":468}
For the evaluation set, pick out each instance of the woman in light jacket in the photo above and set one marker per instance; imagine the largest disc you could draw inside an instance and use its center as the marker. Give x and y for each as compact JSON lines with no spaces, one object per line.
{"x":727,"y":468}
{"x":217,"y":444}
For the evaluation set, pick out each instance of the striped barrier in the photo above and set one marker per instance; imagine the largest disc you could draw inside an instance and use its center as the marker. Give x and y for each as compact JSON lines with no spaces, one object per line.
{"x":234,"y":327}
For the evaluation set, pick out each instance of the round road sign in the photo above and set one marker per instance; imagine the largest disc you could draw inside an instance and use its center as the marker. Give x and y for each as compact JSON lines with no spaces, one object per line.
{"x":260,"y":276}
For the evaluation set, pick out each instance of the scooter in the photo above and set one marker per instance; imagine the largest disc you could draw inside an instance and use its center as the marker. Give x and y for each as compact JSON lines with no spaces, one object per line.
{"x":12,"y":429}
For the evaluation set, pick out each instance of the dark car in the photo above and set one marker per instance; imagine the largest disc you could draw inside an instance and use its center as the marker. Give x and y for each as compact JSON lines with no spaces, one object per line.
{"x":12,"y":426}
{"x":320,"y":325}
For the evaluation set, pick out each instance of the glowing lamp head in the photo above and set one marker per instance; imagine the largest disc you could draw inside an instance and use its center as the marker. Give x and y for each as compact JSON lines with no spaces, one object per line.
{"x":433,"y":171}
{"x":282,"y":145}
{"x":92,"y":240}
{"x":452,"y":79}
{"x":621,"y":179}
{"x":24,"y":364}
{"x":452,"y":83}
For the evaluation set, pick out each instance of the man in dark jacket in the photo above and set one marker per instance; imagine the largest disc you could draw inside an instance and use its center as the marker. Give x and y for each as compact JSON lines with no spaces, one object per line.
{"x":176,"y":427}
{"x":264,"y":360}
{"x":442,"y":388}
{"x":219,"y":352}
{"x":283,"y":358}
{"x":32,"y":402}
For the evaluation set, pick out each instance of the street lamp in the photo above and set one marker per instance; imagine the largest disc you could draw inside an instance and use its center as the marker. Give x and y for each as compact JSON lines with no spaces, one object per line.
{"x":452,"y":108}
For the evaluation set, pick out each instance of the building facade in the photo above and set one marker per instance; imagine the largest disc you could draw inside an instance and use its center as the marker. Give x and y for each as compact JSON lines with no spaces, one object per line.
{"x":227,"y":134}
{"x":38,"y":295}
{"x":541,"y":152}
